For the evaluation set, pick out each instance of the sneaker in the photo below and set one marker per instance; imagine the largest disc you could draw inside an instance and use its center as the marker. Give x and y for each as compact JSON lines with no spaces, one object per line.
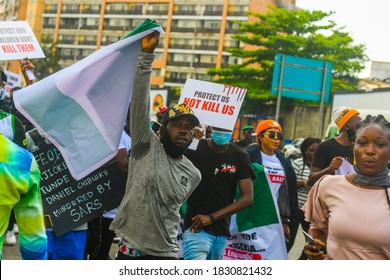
{"x":9,"y":238}
{"x":16,"y":229}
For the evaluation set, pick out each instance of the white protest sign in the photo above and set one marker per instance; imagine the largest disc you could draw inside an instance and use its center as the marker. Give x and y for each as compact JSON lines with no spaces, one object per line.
{"x":214,"y":104}
{"x":13,"y":80}
{"x":18,"y":41}
{"x":157,"y":99}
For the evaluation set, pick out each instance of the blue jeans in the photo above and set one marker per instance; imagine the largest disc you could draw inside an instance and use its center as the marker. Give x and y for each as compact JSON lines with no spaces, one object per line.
{"x":70,"y":246}
{"x":203,"y":246}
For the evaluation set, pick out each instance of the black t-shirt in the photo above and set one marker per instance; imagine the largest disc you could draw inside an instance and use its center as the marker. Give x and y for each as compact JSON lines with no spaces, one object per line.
{"x":329,"y":149}
{"x":217,"y":189}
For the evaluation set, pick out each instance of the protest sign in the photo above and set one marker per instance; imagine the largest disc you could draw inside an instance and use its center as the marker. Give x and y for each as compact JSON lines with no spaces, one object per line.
{"x":18,"y":41}
{"x":13,"y":80}
{"x":157,"y":98}
{"x":71,"y":203}
{"x":214,"y":104}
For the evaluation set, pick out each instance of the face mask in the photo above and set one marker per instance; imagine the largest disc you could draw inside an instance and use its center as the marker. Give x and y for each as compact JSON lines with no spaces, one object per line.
{"x":221,"y":137}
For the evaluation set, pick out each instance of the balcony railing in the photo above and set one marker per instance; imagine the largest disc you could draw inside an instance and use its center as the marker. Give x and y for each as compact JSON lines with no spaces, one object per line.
{"x":179,"y":63}
{"x":116,"y":27}
{"x":69,"y":26}
{"x":90,"y":11}
{"x":175,"y":80}
{"x":47,"y":25}
{"x":204,"y":65}
{"x":90,"y":27}
{"x":213,"y":13}
{"x":70,"y":12}
{"x":186,"y":13}
{"x":137,"y":11}
{"x":157,"y":12}
{"x":238,"y":14}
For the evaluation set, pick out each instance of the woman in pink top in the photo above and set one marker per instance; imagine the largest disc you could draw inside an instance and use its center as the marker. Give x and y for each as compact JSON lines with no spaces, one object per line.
{"x":350,"y":214}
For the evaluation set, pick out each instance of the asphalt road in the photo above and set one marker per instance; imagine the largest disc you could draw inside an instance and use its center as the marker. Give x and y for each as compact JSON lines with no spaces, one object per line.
{"x":12,"y":252}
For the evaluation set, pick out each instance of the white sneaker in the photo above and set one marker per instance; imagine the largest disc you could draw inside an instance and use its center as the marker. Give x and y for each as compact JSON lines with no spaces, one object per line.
{"x":9,"y":238}
{"x":16,"y":229}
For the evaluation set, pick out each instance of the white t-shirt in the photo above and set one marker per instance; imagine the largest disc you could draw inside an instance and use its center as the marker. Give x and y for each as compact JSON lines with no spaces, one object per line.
{"x":274,"y":172}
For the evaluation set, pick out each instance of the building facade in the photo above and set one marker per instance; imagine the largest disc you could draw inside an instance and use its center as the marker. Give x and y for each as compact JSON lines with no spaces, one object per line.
{"x":197,"y":32}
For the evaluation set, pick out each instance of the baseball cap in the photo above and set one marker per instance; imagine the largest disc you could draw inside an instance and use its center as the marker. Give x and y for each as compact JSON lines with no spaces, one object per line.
{"x":341,"y":115}
{"x":247,"y":127}
{"x":3,"y":76}
{"x":267,"y":124}
{"x":178,"y":110}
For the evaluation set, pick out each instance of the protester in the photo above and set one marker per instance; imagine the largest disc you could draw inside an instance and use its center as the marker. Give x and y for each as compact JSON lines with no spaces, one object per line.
{"x":302,"y":170}
{"x":334,"y":156}
{"x":206,"y":224}
{"x":160,"y":178}
{"x":349,"y":214}
{"x":248,"y":132}
{"x":280,"y":174}
{"x":3,"y":100}
{"x":20,"y":190}
{"x":12,"y":128}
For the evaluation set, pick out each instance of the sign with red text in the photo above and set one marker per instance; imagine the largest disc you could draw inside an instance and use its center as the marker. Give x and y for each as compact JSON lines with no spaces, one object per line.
{"x":214,"y":104}
{"x":18,"y":41}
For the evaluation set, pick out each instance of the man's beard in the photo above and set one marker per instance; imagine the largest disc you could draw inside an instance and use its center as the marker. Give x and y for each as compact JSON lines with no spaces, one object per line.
{"x":170,"y":148}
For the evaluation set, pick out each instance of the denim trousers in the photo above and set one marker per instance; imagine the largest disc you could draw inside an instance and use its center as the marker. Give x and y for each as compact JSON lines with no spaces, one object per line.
{"x":203,"y":246}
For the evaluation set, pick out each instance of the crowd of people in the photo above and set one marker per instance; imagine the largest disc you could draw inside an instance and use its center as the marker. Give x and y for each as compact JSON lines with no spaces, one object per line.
{"x":338,"y":191}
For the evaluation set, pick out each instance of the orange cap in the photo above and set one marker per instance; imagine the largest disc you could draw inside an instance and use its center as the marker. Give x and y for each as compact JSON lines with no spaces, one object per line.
{"x":342,"y":115}
{"x":264,"y":125}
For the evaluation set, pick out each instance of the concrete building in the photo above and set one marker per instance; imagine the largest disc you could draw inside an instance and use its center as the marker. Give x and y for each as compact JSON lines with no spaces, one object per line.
{"x":198,"y":32}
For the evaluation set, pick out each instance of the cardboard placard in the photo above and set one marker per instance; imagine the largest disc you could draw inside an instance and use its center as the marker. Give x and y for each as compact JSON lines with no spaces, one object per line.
{"x":71,"y":203}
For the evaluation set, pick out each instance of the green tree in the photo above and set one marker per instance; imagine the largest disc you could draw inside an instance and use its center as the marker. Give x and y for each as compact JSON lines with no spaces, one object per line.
{"x":48,"y":65}
{"x":298,"y":33}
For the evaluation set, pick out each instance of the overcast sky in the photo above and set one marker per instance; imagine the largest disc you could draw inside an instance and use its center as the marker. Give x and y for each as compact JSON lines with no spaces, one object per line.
{"x":367,"y":21}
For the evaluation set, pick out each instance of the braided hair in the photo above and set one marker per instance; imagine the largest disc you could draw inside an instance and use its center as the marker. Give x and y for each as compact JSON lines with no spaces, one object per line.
{"x":380,"y":121}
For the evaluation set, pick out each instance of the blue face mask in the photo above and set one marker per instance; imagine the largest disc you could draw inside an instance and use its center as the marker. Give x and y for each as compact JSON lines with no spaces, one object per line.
{"x":221,"y":137}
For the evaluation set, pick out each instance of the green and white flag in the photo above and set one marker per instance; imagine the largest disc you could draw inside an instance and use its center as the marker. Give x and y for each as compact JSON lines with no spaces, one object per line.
{"x":82,"y":108}
{"x":257,"y":232}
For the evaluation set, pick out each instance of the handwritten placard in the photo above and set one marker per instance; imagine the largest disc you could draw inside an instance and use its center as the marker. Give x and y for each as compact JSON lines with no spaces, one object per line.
{"x":71,"y":203}
{"x":13,"y":80}
{"x":17,"y":41}
{"x":214,"y":104}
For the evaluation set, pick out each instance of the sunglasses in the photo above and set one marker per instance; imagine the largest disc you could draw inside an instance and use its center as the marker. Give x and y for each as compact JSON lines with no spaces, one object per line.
{"x":272,"y":135}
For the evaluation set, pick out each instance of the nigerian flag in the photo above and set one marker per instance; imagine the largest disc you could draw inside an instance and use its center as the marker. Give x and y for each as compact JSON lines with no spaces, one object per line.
{"x":257,"y":232}
{"x":82,"y":108}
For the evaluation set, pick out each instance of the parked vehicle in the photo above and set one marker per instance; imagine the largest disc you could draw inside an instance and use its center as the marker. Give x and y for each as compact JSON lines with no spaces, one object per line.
{"x":292,"y":150}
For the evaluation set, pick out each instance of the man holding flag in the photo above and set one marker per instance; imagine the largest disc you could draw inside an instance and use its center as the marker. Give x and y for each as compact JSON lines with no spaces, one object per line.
{"x":160,"y":178}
